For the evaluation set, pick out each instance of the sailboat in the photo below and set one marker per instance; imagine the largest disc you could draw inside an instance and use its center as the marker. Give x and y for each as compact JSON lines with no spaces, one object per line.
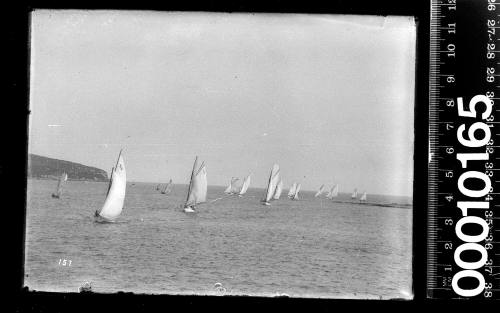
{"x":335,"y":192}
{"x":279,"y":188}
{"x":363,"y":197}
{"x":197,"y":191}
{"x":168,"y":188}
{"x":354,"y":194}
{"x":232,"y":188}
{"x":244,"y":187}
{"x":329,"y":194}
{"x":62,"y":179}
{"x":296,"y":194}
{"x":271,"y":184}
{"x":320,"y":191}
{"x":115,"y":196}
{"x":291,"y":192}
{"x":158,"y":187}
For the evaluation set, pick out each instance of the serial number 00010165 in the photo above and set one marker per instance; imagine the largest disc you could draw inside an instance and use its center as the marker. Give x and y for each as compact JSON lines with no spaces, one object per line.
{"x":462,"y":261}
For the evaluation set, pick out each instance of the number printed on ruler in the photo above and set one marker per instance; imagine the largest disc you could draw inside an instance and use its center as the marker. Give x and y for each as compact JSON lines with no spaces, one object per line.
{"x":478,"y":136}
{"x":464,"y":172}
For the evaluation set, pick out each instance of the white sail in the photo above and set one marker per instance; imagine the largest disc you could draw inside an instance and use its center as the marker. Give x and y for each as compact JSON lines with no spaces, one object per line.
{"x":279,"y":188}
{"x":170,"y":185}
{"x":363,"y":197}
{"x":271,"y":184}
{"x":335,"y":191}
{"x":320,"y":190}
{"x":110,"y":179}
{"x":354,"y":194}
{"x":234,"y":185}
{"x":296,"y":194}
{"x":291,"y":192}
{"x":197,"y":192}
{"x":329,"y":193}
{"x":168,"y":188}
{"x":246,"y":184}
{"x":62,"y":179}
{"x":232,"y":188}
{"x":113,"y":204}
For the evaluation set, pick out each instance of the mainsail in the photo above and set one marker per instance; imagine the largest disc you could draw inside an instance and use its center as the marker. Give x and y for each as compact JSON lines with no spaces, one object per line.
{"x":354,"y":194}
{"x":273,"y":181}
{"x":197,"y":192}
{"x":330,"y":193}
{"x":246,"y":184}
{"x":363,"y":197}
{"x":296,"y":194}
{"x":232,"y":188}
{"x":279,"y":188}
{"x":110,"y":179}
{"x":291,"y":192}
{"x":113,"y":204}
{"x":62,"y":179}
{"x":335,"y":191}
{"x":168,"y":188}
{"x":320,"y":191}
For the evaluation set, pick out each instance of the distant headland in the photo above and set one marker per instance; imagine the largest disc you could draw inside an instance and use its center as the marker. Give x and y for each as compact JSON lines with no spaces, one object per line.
{"x":48,"y":168}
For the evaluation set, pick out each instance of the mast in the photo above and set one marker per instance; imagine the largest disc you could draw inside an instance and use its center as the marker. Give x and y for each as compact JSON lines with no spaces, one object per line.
{"x":110,"y":180}
{"x":118,"y":159}
{"x":191,"y":179}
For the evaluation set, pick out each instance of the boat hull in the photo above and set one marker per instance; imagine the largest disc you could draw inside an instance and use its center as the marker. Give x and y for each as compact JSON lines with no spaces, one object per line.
{"x":266,"y":203}
{"x":55,"y":196}
{"x":100,"y":219}
{"x":189,"y":210}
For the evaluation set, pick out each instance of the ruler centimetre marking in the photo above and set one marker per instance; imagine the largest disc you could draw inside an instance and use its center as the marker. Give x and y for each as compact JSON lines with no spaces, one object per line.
{"x":463,"y":239}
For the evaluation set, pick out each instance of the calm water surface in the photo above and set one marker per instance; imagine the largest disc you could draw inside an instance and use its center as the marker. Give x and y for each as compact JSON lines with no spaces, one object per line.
{"x":307,"y":248}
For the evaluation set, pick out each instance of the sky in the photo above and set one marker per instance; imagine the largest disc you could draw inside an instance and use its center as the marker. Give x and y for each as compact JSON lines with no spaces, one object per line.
{"x":330,"y":98}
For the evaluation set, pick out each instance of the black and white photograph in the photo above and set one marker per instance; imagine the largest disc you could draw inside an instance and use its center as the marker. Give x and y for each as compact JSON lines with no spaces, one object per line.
{"x":199,"y":153}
